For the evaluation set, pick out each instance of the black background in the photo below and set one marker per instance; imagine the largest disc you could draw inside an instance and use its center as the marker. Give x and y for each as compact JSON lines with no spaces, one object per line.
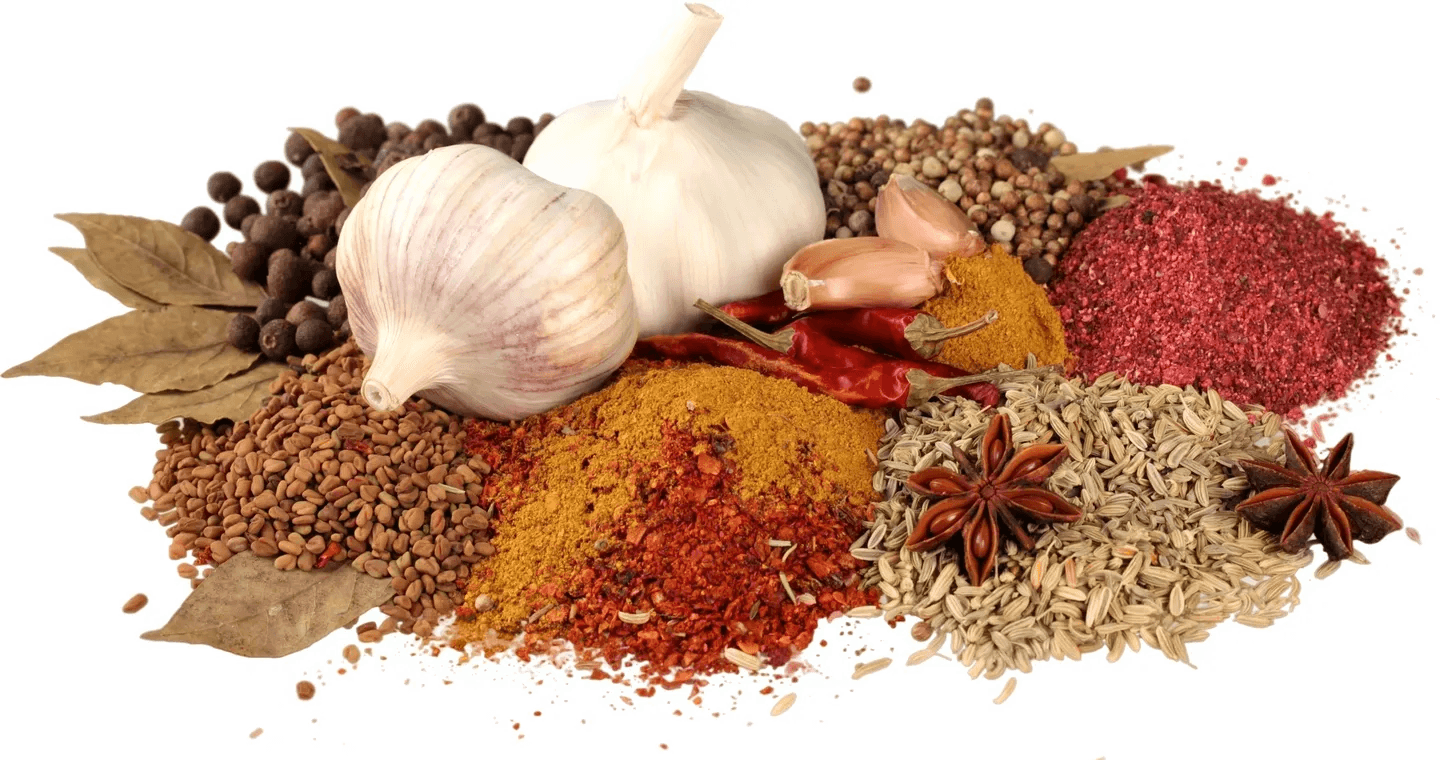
{"x":154,"y":114}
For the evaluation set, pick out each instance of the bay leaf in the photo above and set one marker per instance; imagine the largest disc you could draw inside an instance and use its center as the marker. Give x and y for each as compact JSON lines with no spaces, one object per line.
{"x":162,"y":261}
{"x":234,"y":398}
{"x":84,"y":262}
{"x":249,"y":608}
{"x":337,"y":159}
{"x":177,"y":348}
{"x":1086,"y":167}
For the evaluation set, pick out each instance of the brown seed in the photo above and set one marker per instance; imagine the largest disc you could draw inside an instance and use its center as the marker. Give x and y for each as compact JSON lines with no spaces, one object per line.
{"x":304,"y":690}
{"x":238,"y":208}
{"x":271,"y":176}
{"x":186,"y":570}
{"x":861,"y":84}
{"x":139,"y":494}
{"x":202,"y":223}
{"x":135,"y":604}
{"x":222,"y":186}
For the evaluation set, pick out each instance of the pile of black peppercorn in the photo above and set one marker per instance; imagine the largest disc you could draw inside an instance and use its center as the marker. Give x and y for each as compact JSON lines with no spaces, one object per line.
{"x":289,"y":245}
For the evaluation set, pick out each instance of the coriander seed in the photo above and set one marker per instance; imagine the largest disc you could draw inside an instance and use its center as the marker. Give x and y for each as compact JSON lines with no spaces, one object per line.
{"x":861,"y":84}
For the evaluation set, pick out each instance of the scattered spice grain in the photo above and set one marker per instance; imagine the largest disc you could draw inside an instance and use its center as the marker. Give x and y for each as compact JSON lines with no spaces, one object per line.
{"x":783,"y":704}
{"x":135,"y":604}
{"x":304,"y":690}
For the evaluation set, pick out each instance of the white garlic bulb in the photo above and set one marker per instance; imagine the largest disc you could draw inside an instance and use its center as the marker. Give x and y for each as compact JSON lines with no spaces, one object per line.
{"x":714,"y":196}
{"x":482,"y":287}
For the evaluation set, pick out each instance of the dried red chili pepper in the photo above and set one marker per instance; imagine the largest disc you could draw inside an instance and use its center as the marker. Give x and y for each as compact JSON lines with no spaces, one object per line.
{"x":907,"y":333}
{"x":892,"y":384}
{"x":766,"y":310}
{"x":802,"y":342}
{"x":327,"y":555}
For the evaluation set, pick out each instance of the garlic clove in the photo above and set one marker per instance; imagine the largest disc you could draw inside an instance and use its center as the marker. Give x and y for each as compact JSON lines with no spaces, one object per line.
{"x":910,"y":211}
{"x":864,"y":272}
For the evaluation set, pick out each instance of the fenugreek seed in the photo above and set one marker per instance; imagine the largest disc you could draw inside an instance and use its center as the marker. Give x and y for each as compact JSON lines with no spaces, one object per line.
{"x":783,"y":704}
{"x":135,"y":604}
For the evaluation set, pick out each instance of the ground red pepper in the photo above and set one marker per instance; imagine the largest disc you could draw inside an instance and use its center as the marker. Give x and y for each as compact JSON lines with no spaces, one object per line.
{"x":1197,"y":284}
{"x":700,"y":560}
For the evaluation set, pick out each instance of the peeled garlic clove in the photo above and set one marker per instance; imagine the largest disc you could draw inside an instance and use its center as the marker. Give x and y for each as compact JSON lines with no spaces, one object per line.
{"x":482,"y":287}
{"x":909,"y":211}
{"x":862,"y":272}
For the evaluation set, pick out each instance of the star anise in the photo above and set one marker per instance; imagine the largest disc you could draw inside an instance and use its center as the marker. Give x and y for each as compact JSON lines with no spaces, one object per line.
{"x":1330,"y":502}
{"x":979,"y":504}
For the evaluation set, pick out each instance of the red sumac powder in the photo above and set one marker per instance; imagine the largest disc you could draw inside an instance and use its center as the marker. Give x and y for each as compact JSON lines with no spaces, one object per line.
{"x":1199,"y":285}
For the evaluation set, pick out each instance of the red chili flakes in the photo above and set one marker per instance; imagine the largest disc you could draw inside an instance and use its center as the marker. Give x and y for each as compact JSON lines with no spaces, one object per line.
{"x":1200,"y":285}
{"x":698,"y":557}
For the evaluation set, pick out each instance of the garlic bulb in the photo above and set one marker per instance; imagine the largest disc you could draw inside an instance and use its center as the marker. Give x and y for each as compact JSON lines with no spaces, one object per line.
{"x":482,"y":287}
{"x":714,"y":196}
{"x":865,"y":272}
{"x":908,"y":210}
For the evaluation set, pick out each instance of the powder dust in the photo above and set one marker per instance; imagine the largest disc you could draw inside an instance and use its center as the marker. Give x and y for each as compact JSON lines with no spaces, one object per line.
{"x":563,"y":477}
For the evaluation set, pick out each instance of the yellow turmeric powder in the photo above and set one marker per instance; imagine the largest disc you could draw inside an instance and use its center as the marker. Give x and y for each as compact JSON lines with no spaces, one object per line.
{"x":572,"y":471}
{"x":1028,"y":324}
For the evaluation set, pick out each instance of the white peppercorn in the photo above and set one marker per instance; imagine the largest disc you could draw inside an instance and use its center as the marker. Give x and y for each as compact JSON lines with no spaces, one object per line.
{"x":1003,"y":231}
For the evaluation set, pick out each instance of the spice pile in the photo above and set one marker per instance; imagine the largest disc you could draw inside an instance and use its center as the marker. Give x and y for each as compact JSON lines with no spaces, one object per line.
{"x":1200,"y":285}
{"x":1027,"y":324}
{"x":994,"y":167}
{"x":677,"y":513}
{"x":1156,"y":557}
{"x":315,"y":477}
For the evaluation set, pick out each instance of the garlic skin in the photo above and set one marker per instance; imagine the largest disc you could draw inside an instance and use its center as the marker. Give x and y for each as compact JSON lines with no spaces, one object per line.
{"x":864,"y":272}
{"x":482,"y":287}
{"x":714,"y":196}
{"x":908,"y":210}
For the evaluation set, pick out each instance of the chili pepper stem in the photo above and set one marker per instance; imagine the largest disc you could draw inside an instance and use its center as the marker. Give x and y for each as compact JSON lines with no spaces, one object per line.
{"x":781,"y":341}
{"x":927,"y":338}
{"x":925,"y":386}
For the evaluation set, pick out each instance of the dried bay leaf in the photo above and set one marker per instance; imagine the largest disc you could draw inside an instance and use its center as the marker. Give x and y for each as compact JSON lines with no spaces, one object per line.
{"x":163,"y":262}
{"x":177,"y":348}
{"x":1087,"y":167}
{"x":248,"y":607}
{"x":234,"y":398}
{"x":84,"y":262}
{"x":338,"y":161}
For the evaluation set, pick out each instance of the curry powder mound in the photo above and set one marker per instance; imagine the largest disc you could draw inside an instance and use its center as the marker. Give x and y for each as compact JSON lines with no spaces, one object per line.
{"x":562,"y":479}
{"x":1028,"y":324}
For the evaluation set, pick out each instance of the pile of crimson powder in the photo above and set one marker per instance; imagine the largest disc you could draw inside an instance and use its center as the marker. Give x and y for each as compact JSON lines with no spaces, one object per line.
{"x":1196,"y":284}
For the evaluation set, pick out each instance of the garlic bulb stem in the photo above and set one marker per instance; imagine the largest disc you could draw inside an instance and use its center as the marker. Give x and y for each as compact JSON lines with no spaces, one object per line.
{"x":652,"y":92}
{"x":405,"y":364}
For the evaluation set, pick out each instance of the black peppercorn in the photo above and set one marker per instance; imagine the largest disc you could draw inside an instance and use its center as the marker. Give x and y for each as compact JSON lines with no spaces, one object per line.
{"x":336,"y":315}
{"x":340,"y":220}
{"x":485,"y":130}
{"x":464,"y":118}
{"x":317,"y":183}
{"x":329,"y":260}
{"x":304,"y":311}
{"x":501,"y":142}
{"x":284,"y":203}
{"x":1039,"y":269}
{"x":288,"y":278}
{"x":202,"y":222}
{"x":271,"y":176}
{"x":324,"y":285}
{"x":313,"y":165}
{"x":314,"y":336}
{"x":248,"y":224}
{"x":543,"y":122}
{"x":316,"y":247}
{"x":397,"y":130}
{"x":342,"y":333}
{"x":521,"y":147}
{"x":344,"y":114}
{"x":244,"y":332}
{"x":428,"y":127}
{"x":249,"y":261}
{"x":277,"y":339}
{"x":1084,"y":204}
{"x":239,"y":207}
{"x":271,"y":309}
{"x":320,"y":212}
{"x":436,"y":141}
{"x":275,"y":232}
{"x":364,"y":132}
{"x":520,"y":125}
{"x":297,"y":149}
{"x":222,"y":186}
